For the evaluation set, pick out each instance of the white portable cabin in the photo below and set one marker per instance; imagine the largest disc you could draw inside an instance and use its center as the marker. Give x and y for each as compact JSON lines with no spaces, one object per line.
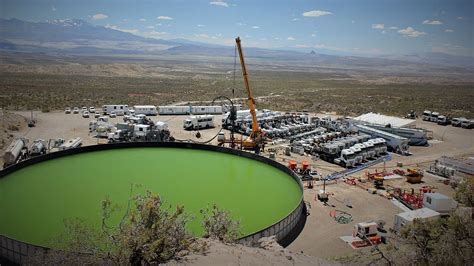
{"x":202,"y":110}
{"x":145,"y":110}
{"x":118,"y":109}
{"x":439,"y":202}
{"x":405,"y":218}
{"x":174,"y":110}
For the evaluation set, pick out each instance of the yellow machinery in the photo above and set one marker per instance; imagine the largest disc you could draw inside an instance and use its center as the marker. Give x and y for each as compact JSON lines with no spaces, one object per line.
{"x":254,"y":141}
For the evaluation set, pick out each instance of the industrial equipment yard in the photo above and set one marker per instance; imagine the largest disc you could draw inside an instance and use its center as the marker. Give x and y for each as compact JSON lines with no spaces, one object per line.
{"x":355,"y":200}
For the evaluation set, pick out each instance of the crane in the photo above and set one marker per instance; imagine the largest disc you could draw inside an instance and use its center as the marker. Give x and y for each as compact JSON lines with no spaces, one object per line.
{"x":254,"y":141}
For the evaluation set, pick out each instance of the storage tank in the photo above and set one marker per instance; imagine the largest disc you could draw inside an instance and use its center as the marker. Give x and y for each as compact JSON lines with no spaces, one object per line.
{"x":13,"y":151}
{"x":265,"y":196}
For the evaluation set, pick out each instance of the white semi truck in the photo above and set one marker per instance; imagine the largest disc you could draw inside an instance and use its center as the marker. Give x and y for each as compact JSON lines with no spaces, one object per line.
{"x":347,"y":158}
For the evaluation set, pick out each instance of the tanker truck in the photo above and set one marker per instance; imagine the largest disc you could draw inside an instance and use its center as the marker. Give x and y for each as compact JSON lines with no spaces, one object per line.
{"x":15,"y":152}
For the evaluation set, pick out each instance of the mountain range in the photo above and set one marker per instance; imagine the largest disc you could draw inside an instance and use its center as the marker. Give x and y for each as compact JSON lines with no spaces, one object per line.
{"x":74,"y":36}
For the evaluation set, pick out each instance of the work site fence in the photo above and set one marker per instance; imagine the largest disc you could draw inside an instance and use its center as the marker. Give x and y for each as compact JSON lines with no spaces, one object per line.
{"x":18,"y":252}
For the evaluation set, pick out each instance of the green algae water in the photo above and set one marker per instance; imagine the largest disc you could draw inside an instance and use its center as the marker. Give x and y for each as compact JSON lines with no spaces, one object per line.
{"x":35,"y":200}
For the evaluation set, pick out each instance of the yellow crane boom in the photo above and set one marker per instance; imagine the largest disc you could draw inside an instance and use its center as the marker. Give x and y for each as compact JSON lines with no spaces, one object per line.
{"x":256,"y":135}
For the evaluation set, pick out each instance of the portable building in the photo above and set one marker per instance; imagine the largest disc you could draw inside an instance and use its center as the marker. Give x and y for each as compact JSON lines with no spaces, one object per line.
{"x":145,"y":109}
{"x":174,"y":110}
{"x":201,"y":110}
{"x":405,"y":218}
{"x":118,"y":109}
{"x":439,"y":202}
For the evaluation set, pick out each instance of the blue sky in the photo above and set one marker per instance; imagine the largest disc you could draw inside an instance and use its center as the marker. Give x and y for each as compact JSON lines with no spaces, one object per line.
{"x":369,"y":27}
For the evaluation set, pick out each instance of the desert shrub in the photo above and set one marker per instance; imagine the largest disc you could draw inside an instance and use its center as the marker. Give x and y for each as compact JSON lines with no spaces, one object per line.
{"x":13,"y":128}
{"x":149,"y":233}
{"x":219,"y":225}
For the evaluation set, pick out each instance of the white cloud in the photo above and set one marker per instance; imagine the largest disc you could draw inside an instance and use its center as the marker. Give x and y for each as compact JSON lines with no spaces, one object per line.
{"x":302,"y":46}
{"x":313,"y":34}
{"x":449,"y":30}
{"x":393,"y":28}
{"x":202,"y":35}
{"x":164,"y":18}
{"x":460,"y":17}
{"x":142,"y":20}
{"x":114,"y":27}
{"x":53,"y":8}
{"x":241,"y":24}
{"x":159,"y":24}
{"x":255,"y":27}
{"x":155,"y":33}
{"x":290,"y":38}
{"x":432,"y":22}
{"x":411,"y":32}
{"x":150,"y":27}
{"x":99,"y":16}
{"x":219,"y":3}
{"x":383,"y":32}
{"x":277,"y":38}
{"x":295,"y":19}
{"x":378,"y":26}
{"x":201,"y":26}
{"x":316,"y":13}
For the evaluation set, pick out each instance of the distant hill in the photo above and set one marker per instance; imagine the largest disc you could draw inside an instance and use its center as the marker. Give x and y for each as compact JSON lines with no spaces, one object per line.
{"x":76,"y":36}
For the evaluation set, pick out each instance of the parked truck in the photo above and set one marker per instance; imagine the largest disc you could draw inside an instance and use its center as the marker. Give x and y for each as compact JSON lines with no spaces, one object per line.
{"x":457,"y":121}
{"x":198,"y":122}
{"x":426,"y":115}
{"x":443,"y":120}
{"x":70,"y":144}
{"x":346,"y":159}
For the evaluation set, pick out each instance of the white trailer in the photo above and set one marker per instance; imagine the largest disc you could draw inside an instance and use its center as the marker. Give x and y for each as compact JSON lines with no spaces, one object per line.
{"x":406,"y":218}
{"x":174,"y":110}
{"x":145,"y":110}
{"x":202,"y":110}
{"x":198,"y":122}
{"x":416,"y":137}
{"x":70,"y":144}
{"x":396,"y":143}
{"x":439,"y":202}
{"x":118,"y":109}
